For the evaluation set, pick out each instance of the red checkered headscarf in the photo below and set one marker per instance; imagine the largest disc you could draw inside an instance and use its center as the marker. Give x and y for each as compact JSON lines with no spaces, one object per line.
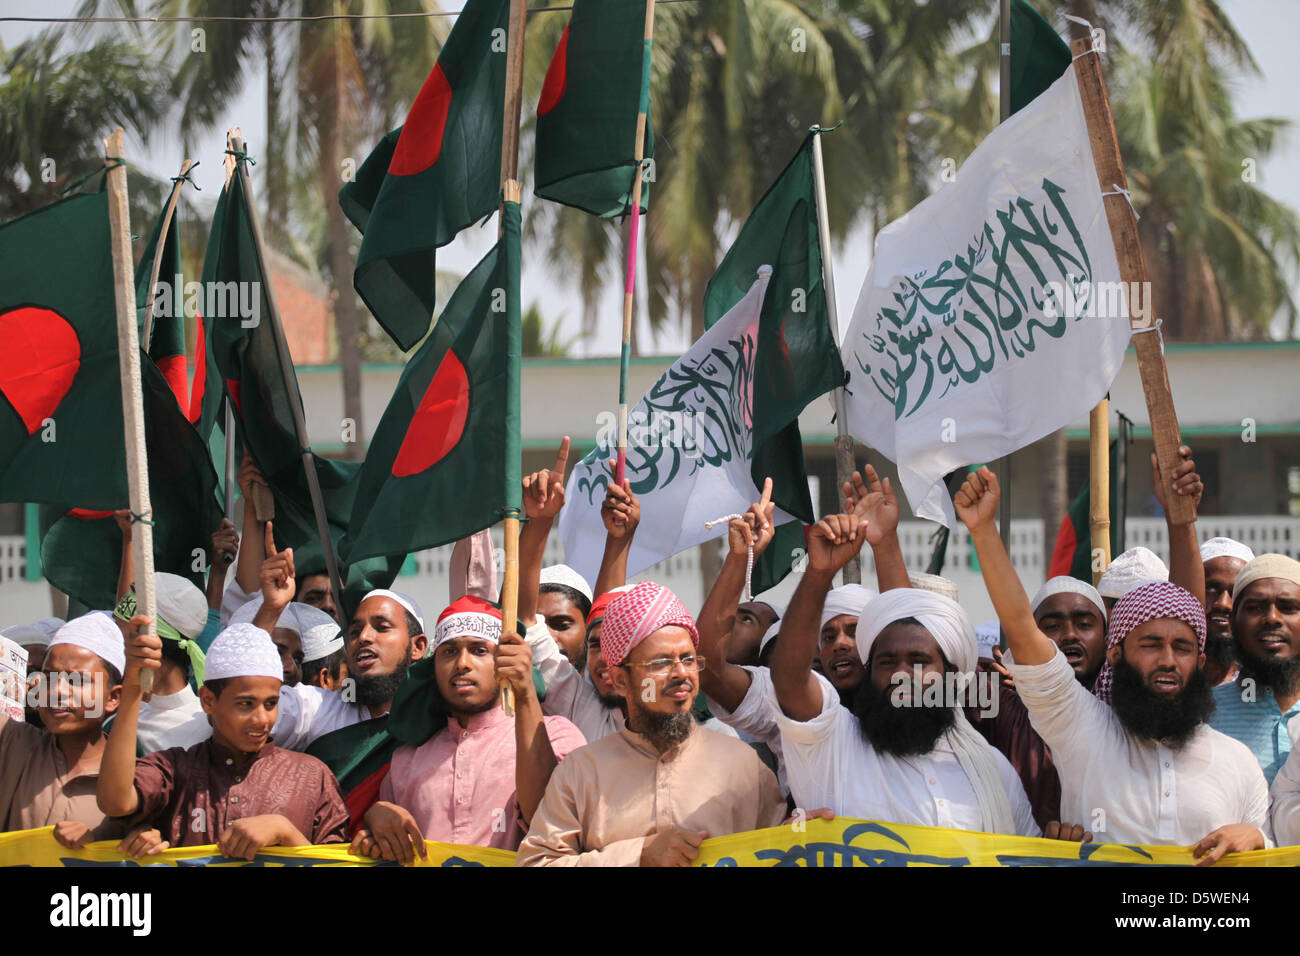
{"x":636,"y":614}
{"x":1147,"y":603}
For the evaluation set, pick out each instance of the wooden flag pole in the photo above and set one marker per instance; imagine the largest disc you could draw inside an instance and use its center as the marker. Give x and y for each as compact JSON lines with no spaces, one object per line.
{"x":128,"y":352}
{"x":263,"y":501}
{"x":510,"y":192}
{"x":170,"y":211}
{"x":290,"y":381}
{"x":843,"y":440}
{"x":1099,"y":488}
{"x":1132,"y":270}
{"x":633,"y":233}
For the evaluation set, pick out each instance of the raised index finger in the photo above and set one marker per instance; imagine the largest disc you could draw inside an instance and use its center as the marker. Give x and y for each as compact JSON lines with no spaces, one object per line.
{"x":270,"y":542}
{"x":562,"y":458}
{"x":767,"y":495}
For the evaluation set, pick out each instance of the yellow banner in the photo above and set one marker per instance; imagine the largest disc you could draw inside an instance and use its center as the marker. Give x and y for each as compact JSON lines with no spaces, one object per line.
{"x":840,"y":842}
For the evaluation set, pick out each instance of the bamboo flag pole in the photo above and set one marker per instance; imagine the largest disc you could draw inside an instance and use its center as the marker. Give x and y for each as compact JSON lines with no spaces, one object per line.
{"x":168,"y":213}
{"x":1099,"y":488}
{"x":128,"y":352}
{"x":510,"y":192}
{"x":843,"y":440}
{"x":1133,"y":271}
{"x":290,"y":380}
{"x":634,"y":230}
{"x":1004,"y":111}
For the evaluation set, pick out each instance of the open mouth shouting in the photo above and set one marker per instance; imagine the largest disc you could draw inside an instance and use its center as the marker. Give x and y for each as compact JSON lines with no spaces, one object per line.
{"x":365,"y":660}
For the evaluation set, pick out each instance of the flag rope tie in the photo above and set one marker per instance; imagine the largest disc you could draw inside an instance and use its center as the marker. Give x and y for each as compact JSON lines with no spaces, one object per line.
{"x":241,"y":156}
{"x":188,"y":177}
{"x":1155,"y":327}
{"x":1087,"y":26}
{"x":1115,"y":190}
{"x":141,"y":518}
{"x":749,"y":563}
{"x":114,"y":162}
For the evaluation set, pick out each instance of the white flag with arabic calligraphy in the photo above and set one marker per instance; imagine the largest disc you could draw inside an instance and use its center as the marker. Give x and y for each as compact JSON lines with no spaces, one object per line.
{"x":993,"y":313}
{"x":689,"y":451}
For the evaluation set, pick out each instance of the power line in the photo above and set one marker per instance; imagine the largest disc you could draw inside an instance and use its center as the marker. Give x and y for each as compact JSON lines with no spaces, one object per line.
{"x":299,"y":19}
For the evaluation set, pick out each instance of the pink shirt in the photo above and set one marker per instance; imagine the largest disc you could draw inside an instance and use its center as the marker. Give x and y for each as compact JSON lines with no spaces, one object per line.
{"x":459,"y":785}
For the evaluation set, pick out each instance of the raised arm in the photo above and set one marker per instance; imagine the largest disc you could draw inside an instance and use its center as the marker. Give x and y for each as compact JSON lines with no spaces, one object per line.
{"x":832,"y":543}
{"x":721,"y":680}
{"x":277,"y":581}
{"x":251,"y":554}
{"x":225,"y":545}
{"x":875,"y":503}
{"x":534,"y":757}
{"x":977,"y":507}
{"x":1185,"y":566}
{"x":543,"y":499}
{"x":115,"y":791}
{"x":621,"y":513}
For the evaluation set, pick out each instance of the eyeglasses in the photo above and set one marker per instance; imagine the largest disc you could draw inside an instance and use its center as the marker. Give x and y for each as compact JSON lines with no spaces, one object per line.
{"x":662,"y":666}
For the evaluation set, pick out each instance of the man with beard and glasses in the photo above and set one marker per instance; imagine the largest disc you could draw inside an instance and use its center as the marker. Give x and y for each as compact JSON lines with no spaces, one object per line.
{"x":478,"y":779}
{"x":900,"y":755}
{"x":649,"y":794}
{"x":1145,"y":769}
{"x":1258,"y":706}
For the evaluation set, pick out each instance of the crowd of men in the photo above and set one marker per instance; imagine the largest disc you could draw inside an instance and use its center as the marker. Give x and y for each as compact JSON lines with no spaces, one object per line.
{"x":1152,"y":709}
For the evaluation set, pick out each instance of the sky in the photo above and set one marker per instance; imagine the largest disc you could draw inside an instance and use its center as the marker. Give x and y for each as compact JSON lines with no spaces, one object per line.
{"x":1268,"y":27}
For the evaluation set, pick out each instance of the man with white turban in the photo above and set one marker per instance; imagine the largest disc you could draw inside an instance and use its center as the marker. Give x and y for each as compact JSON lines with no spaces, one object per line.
{"x":48,"y":773}
{"x":1223,"y":559}
{"x":1259,"y":706}
{"x":1144,"y":768}
{"x":651,"y":793}
{"x":237,"y":789}
{"x":900,"y":755}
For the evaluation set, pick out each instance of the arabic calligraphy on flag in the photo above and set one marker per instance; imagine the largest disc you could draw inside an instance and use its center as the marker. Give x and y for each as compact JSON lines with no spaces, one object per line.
{"x":993,"y":312}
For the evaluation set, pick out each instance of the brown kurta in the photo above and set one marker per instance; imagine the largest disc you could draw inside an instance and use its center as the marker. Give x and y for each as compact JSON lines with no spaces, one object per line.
{"x":607,"y":798}
{"x":39,"y":789}
{"x":192,"y":795}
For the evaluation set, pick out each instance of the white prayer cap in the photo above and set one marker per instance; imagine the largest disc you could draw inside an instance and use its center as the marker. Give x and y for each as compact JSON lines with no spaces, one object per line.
{"x":321,"y":635}
{"x":97,"y":633}
{"x":1135,"y":566}
{"x":181,"y":604}
{"x":405,"y":600}
{"x":1225,"y":548}
{"x":952,"y":631}
{"x":243,"y":650}
{"x":989,"y":636}
{"x":49,"y":625}
{"x":1266,"y":566}
{"x":563,"y":574}
{"x":288,"y":619}
{"x":1064,"y":584}
{"x":769,"y":636}
{"x":25,"y":635}
{"x":846,"y":599}
{"x":777,"y":609}
{"x":934,"y":583}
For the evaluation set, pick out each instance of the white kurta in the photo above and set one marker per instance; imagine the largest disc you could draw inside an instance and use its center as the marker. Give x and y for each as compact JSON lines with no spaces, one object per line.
{"x":1128,"y":789}
{"x":307,"y":712}
{"x":831,"y":764}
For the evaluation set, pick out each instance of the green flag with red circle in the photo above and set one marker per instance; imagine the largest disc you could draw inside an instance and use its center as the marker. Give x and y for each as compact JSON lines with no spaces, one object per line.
{"x":61,"y":438}
{"x":433,"y":176}
{"x":444,"y":460}
{"x":597,"y":84}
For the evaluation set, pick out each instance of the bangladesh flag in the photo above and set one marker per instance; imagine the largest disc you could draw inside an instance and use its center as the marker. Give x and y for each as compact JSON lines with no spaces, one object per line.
{"x":81,"y":550}
{"x":1072,"y":553}
{"x":598,"y":82}
{"x":450,"y":433}
{"x":433,"y":176}
{"x":167,"y":334}
{"x":61,"y":438}
{"x":245,"y":355}
{"x":725,"y":416}
{"x":1038,"y":54}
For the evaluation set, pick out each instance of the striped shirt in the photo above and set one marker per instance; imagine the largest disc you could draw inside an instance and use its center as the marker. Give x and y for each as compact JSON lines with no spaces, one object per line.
{"x":1252,"y":715}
